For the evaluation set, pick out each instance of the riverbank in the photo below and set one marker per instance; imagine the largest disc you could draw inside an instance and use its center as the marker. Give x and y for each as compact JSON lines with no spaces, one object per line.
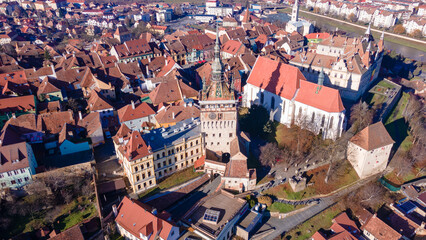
{"x":358,"y":29}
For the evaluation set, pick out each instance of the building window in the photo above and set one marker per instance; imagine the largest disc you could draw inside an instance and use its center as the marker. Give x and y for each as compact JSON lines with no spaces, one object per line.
{"x":137,"y":178}
{"x":261,"y":97}
{"x":136,"y":169}
{"x":13,"y":182}
{"x":170,"y":161}
{"x":149,"y":175}
{"x":331,"y":122}
{"x":323,"y":121}
{"x":159,"y":165}
{"x":272,"y":102}
{"x":313,"y":117}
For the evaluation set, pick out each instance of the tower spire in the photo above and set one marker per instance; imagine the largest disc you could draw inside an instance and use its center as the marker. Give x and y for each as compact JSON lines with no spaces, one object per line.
{"x":295,"y":11}
{"x":217,"y":63}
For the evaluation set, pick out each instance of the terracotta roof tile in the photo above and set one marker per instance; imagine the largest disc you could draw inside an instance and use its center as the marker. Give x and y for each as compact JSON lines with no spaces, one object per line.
{"x":380,"y":230}
{"x":128,"y":113}
{"x":373,"y":137}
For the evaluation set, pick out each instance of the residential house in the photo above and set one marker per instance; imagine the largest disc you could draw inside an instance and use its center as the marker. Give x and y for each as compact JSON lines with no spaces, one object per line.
{"x":233,"y":48}
{"x":135,"y":116}
{"x":139,"y":221}
{"x":71,"y":140}
{"x":415,"y":23}
{"x":48,"y":91}
{"x":369,"y":150}
{"x":93,"y":124}
{"x":16,"y":106}
{"x":122,"y":34}
{"x":216,"y":215}
{"x":376,"y":229}
{"x":343,"y":228}
{"x":171,"y":89}
{"x":169,"y":115}
{"x":100,"y":104}
{"x":17,"y":163}
{"x":135,"y":50}
{"x":385,"y":19}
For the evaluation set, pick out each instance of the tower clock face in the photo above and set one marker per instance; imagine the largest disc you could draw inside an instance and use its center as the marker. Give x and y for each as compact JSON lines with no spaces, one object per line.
{"x":212,"y":115}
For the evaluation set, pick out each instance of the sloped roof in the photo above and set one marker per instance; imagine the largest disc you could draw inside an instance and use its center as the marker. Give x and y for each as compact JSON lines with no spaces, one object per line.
{"x":170,"y":90}
{"x":177,"y":112}
{"x":275,"y":77}
{"x":380,"y":230}
{"x":128,"y":113}
{"x":13,"y":104}
{"x":137,"y":218}
{"x":98,"y":102}
{"x":373,"y":137}
{"x":321,"y":97}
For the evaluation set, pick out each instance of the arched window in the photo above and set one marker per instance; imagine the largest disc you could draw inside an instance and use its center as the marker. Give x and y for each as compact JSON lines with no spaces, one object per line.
{"x":322,"y":120}
{"x":283,"y":107}
{"x":313,"y":117}
{"x":261,"y":97}
{"x":331,"y":123}
{"x":272,"y":102}
{"x":300,"y":112}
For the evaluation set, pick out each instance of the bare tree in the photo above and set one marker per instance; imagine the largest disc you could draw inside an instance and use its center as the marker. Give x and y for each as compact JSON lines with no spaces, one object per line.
{"x":371,"y":194}
{"x":269,"y":154}
{"x":361,"y":116}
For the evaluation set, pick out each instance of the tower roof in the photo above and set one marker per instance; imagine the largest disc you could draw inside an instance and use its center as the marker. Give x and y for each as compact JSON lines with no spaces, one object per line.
{"x":218,"y":89}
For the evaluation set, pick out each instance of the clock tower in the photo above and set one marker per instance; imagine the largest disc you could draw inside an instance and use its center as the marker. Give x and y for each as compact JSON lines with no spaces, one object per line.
{"x":218,"y":108}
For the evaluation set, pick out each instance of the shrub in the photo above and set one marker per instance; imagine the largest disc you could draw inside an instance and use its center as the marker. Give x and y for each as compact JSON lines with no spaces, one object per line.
{"x":265,"y":200}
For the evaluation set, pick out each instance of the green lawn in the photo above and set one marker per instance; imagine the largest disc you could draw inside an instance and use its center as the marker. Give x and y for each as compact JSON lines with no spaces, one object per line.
{"x":175,"y":179}
{"x":307,"y":229}
{"x":385,"y":84}
{"x":396,"y":125}
{"x":75,"y":213}
{"x":283,"y":207}
{"x":399,"y":109}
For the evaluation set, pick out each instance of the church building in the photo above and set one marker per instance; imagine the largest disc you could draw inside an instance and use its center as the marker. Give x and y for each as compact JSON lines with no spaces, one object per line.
{"x":284,"y":91}
{"x":296,"y":25}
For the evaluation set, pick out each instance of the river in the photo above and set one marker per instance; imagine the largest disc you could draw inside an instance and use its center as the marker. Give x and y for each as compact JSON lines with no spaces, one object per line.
{"x":405,"y":51}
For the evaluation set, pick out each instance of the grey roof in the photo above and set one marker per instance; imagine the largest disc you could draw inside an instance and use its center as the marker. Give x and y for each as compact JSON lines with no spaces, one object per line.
{"x":183,"y":130}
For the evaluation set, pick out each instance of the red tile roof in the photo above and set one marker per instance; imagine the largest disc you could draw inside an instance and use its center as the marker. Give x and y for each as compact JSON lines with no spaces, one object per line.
{"x":380,"y":230}
{"x":133,"y":217}
{"x":128,"y":113}
{"x":73,"y":233}
{"x":321,"y":97}
{"x":373,"y":137}
{"x":318,"y":35}
{"x":275,"y":77}
{"x":13,"y":104}
{"x":98,"y":102}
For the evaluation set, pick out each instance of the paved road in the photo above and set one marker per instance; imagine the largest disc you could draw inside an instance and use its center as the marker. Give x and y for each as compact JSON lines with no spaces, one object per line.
{"x":181,"y":207}
{"x":286,"y":224}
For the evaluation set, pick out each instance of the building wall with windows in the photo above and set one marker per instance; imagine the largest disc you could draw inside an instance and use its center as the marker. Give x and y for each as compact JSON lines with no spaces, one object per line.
{"x":20,"y":176}
{"x":173,"y":149}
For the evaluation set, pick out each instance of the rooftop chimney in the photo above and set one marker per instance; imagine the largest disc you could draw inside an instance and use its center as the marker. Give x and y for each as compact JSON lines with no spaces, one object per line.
{"x":173,"y":115}
{"x":80,"y":116}
{"x":133,"y":104}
